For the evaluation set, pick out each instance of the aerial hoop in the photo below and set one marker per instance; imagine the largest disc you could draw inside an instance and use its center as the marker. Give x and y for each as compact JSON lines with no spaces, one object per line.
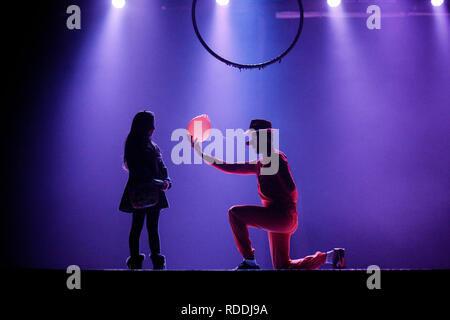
{"x":247,"y":66}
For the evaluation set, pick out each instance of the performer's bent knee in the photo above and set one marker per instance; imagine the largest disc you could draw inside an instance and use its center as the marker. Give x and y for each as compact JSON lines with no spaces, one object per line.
{"x":232,"y":211}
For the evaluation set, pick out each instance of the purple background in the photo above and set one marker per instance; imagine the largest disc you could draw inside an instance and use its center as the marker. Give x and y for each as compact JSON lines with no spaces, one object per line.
{"x":363,"y":117}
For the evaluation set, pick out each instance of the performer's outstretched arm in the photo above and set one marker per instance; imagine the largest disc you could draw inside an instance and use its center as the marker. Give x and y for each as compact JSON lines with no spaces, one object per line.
{"x":234,"y":168}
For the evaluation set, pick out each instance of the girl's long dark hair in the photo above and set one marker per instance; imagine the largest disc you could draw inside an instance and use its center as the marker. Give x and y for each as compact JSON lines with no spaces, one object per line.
{"x":138,"y":137}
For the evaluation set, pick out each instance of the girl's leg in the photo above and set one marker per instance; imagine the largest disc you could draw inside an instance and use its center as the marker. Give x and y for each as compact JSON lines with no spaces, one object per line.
{"x":158,"y":260}
{"x":153,"y":232}
{"x":242,"y":217}
{"x":279,"y":249}
{"x":135,"y":232}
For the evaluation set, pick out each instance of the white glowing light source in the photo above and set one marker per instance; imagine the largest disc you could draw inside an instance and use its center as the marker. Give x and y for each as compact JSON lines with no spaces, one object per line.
{"x":223,"y":2}
{"x":118,"y":3}
{"x":437,"y":3}
{"x":334,"y":3}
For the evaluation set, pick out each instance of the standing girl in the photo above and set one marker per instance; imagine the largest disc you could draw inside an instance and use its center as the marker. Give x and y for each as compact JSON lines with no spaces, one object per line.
{"x":144,"y":195}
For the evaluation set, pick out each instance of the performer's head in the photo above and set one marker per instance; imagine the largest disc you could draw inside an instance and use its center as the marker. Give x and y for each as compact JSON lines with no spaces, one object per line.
{"x":264,"y":140}
{"x":261,"y":139}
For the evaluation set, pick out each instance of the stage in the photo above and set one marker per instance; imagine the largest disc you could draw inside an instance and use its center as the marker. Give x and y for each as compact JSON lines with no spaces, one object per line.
{"x":202,"y":282}
{"x":224,"y":294}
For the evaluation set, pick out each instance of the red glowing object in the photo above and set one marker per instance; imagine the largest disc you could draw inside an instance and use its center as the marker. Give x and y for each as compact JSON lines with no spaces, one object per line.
{"x":200,"y":128}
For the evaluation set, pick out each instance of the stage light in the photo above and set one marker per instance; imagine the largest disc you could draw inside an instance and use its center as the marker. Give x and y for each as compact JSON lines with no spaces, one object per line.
{"x":334,"y":3}
{"x":118,"y":3}
{"x":222,"y":2}
{"x":437,"y":3}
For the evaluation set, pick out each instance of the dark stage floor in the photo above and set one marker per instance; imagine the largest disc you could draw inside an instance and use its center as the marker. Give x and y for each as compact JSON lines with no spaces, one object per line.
{"x":234,"y":295}
{"x":111,"y":279}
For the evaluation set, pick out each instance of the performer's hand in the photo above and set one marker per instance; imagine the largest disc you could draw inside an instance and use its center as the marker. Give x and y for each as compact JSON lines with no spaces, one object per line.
{"x":195,"y":144}
{"x":191,"y":139}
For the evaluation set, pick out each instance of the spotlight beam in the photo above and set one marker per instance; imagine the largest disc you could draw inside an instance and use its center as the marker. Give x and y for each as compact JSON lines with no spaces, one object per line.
{"x":222,"y":2}
{"x":437,"y":3}
{"x":118,"y":3}
{"x":334,"y":3}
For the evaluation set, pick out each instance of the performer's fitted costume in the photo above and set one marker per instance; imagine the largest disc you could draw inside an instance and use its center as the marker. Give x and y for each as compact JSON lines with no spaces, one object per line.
{"x":278,"y":215}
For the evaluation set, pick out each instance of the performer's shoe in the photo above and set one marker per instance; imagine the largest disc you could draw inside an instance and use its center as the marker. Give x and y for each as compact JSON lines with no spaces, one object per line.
{"x":339,"y":258}
{"x":159,"y":262}
{"x":245,"y":266}
{"x":135,"y":262}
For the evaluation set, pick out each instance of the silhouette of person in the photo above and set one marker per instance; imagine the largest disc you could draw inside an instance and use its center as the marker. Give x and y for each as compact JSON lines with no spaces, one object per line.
{"x":278,"y":215}
{"x":143,"y":160}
